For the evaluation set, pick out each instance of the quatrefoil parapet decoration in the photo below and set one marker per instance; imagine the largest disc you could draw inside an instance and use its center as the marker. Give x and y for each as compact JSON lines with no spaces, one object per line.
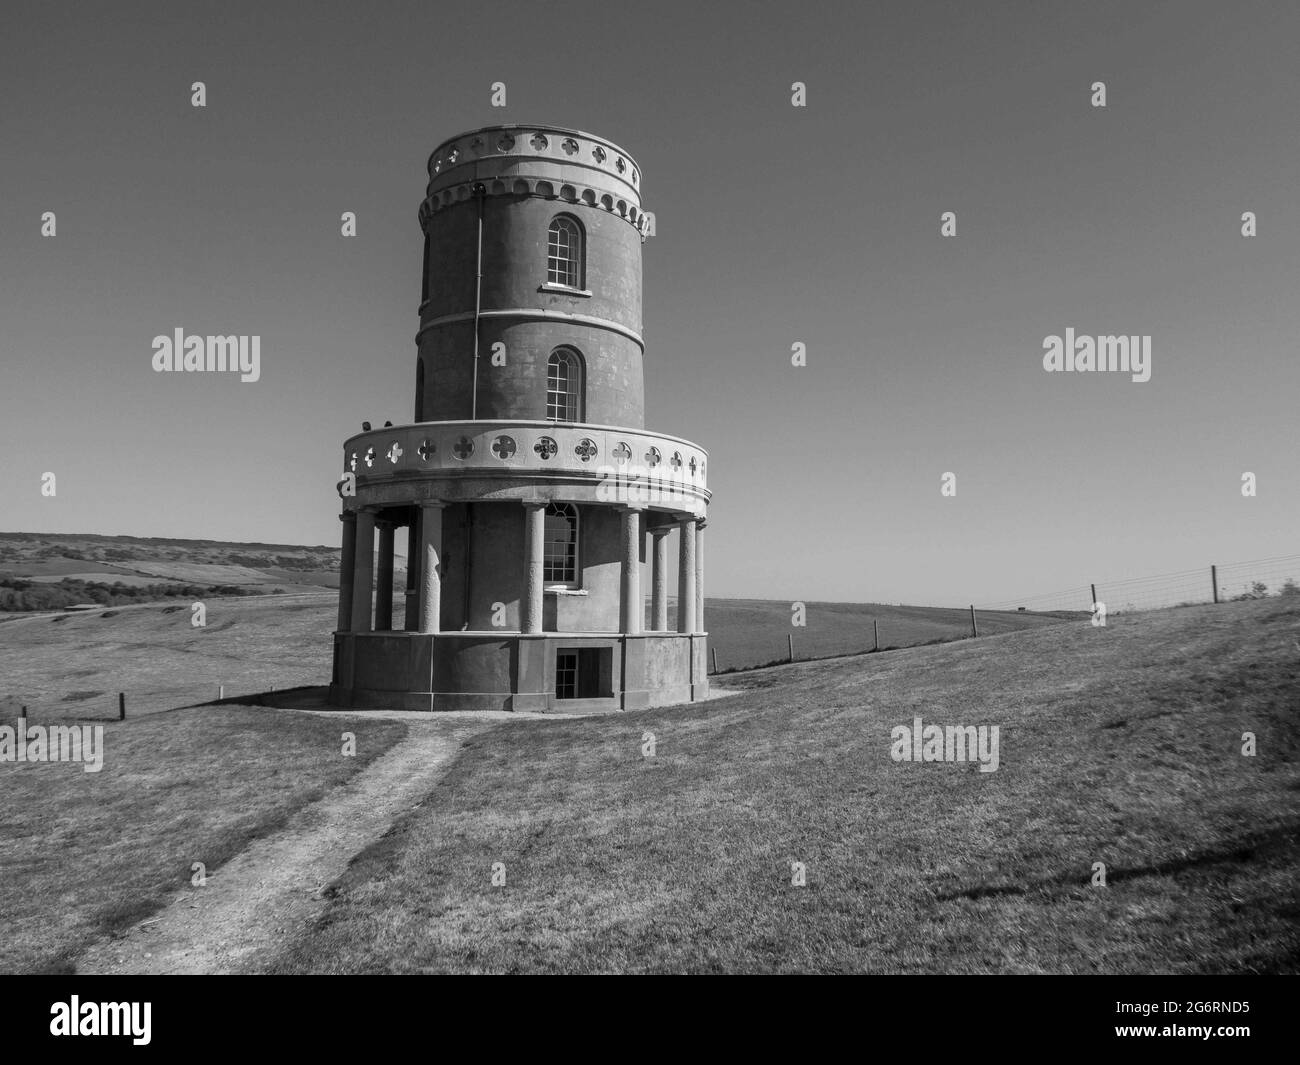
{"x":370,"y":457}
{"x":352,"y":462}
{"x":394,"y":453}
{"x":426,"y":450}
{"x":693,"y":465}
{"x":598,"y":153}
{"x":539,"y":142}
{"x":505,"y":143}
{"x":503,"y":447}
{"x":586,"y":449}
{"x":545,"y":448}
{"x":453,"y":155}
{"x":676,"y":461}
{"x":463,"y":448}
{"x":570,"y":146}
{"x":621,"y":453}
{"x":653,"y":457}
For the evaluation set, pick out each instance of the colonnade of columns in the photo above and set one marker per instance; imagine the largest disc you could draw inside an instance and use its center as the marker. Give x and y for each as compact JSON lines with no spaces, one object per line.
{"x":366,"y":596}
{"x":365,"y":587}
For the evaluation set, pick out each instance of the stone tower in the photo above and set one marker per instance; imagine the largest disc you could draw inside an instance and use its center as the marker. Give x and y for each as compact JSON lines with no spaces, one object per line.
{"x":526,"y":483}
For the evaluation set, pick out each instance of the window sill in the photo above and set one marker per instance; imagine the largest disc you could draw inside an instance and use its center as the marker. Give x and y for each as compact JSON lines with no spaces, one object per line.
{"x":565,"y":591}
{"x":564,"y":290}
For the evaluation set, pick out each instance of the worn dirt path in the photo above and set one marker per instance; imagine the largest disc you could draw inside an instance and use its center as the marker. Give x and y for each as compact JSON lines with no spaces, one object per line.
{"x":271,"y":891}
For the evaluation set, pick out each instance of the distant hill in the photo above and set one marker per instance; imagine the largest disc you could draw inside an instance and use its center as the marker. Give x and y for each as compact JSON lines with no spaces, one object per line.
{"x":742,"y":632}
{"x":155,"y":561}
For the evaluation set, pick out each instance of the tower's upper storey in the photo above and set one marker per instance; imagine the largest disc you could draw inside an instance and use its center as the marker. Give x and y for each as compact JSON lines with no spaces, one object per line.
{"x":533,"y":241}
{"x":541,"y":160}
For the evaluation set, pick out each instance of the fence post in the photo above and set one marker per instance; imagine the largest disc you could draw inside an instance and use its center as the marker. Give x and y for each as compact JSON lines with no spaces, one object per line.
{"x":715,"y":659}
{"x":1214,"y":581}
{"x":221,"y":692}
{"x":974,"y":631}
{"x":790,"y":640}
{"x":875,"y":626}
{"x":121,"y":706}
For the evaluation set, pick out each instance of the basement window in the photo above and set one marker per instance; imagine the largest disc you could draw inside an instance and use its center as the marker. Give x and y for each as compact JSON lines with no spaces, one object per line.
{"x":584,"y":672}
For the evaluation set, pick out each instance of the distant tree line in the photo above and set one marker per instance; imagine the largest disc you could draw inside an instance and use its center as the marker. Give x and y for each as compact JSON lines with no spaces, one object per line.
{"x":18,"y":595}
{"x":282,"y":561}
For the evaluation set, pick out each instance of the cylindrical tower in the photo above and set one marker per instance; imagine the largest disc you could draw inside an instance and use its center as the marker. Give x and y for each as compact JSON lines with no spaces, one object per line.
{"x":532,"y":245}
{"x":527,"y":481}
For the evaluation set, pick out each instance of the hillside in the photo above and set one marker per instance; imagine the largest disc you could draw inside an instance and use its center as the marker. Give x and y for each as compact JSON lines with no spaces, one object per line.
{"x":752,"y":632}
{"x":1120,"y":745}
{"x":53,"y":557}
{"x":74,"y":664}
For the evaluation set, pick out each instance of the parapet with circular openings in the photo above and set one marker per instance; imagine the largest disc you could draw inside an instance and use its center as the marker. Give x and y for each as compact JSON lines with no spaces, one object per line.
{"x":551,"y":162}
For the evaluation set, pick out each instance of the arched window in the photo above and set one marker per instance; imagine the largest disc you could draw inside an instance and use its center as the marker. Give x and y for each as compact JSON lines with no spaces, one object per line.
{"x":564,"y":386}
{"x":564,"y":252}
{"x":560,"y":560}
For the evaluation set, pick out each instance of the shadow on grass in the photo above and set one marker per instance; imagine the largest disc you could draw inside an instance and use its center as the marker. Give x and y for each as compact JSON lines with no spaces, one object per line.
{"x":1278,"y":843}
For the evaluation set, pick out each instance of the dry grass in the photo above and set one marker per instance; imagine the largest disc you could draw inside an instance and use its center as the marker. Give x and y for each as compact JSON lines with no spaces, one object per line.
{"x":83,"y":855}
{"x":154,"y":655}
{"x":753,"y":632}
{"x":1119,"y":745}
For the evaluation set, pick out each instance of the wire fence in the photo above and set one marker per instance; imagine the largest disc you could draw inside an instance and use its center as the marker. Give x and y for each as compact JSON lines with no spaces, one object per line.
{"x":742,"y":635}
{"x":835,"y":629}
{"x":1229,"y":582}
{"x":66,"y":707}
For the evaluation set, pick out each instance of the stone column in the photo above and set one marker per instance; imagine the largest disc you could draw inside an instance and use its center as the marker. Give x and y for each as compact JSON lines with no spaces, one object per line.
{"x":346,"y":566}
{"x":430,"y":563}
{"x":699,"y":574}
{"x":632,"y":607}
{"x":363,"y":570}
{"x":384,"y":579}
{"x":659,"y":579}
{"x":411,"y":622}
{"x":686,"y":576}
{"x":530,"y":605}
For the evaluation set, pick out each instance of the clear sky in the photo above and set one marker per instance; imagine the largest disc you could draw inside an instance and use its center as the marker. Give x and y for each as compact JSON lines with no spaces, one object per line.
{"x":775,"y":224}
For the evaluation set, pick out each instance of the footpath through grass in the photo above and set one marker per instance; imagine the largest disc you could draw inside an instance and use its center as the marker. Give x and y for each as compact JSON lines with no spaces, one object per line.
{"x":84,"y":855}
{"x":1119,"y":745}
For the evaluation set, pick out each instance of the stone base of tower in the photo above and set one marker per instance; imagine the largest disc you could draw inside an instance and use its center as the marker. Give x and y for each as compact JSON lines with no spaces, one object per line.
{"x":548,"y":672}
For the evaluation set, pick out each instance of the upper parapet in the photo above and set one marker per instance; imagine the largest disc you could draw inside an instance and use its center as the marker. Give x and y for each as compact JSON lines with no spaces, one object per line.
{"x":536,"y":160}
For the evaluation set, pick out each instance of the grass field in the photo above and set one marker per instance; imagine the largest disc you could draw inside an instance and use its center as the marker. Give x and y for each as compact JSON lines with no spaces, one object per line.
{"x":752,"y":632}
{"x":160,"y":661}
{"x":85,"y":855}
{"x":73,"y":665}
{"x":1119,"y":745}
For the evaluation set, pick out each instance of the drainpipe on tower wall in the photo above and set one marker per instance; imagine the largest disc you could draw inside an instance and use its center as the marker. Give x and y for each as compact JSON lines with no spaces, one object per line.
{"x":480,"y":191}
